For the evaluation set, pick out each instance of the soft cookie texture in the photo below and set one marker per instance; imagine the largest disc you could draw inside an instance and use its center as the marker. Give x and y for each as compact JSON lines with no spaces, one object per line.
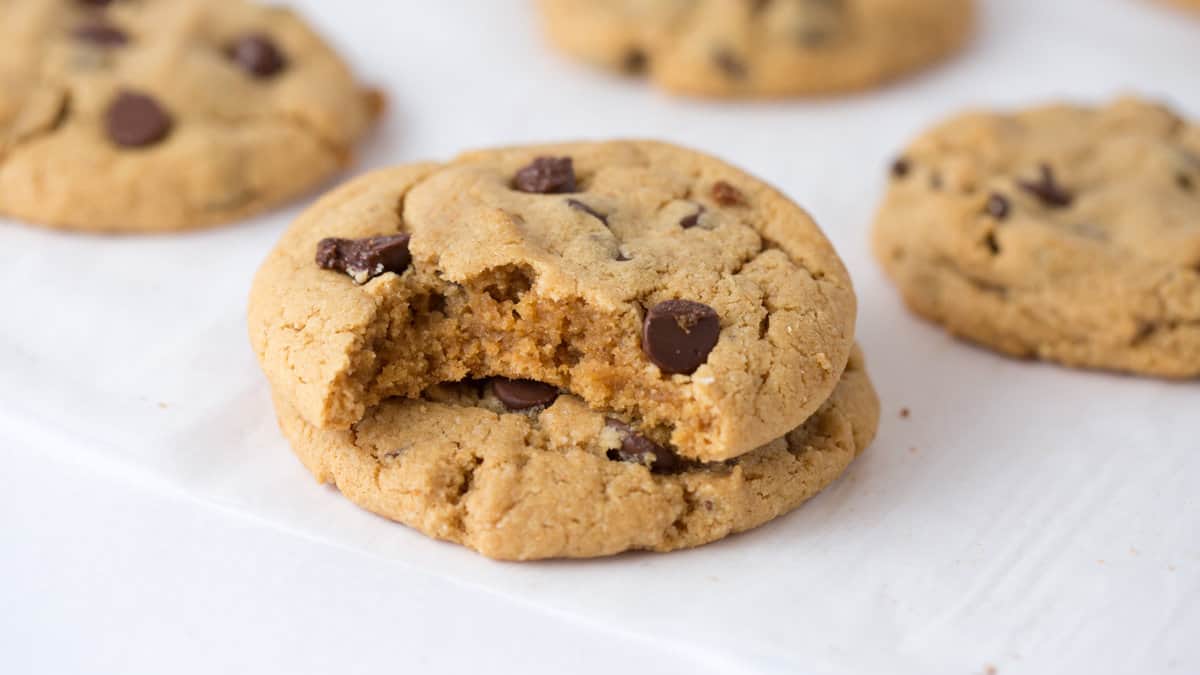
{"x":1066,"y":233}
{"x":550,"y":482}
{"x":126,"y":116}
{"x":760,"y":48}
{"x":678,"y":294}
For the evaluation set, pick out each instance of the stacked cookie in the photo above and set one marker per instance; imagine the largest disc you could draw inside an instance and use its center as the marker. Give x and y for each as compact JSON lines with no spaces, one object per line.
{"x":565,"y":351}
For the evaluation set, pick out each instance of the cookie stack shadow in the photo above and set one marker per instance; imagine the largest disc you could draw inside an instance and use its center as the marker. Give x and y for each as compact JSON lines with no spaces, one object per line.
{"x":565,"y":351}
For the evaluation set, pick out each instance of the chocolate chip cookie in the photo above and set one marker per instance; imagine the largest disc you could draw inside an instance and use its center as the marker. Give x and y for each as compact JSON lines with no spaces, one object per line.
{"x":1065,"y":232}
{"x":477,"y":464}
{"x":666,"y":289}
{"x":156,"y":116}
{"x":760,"y":48}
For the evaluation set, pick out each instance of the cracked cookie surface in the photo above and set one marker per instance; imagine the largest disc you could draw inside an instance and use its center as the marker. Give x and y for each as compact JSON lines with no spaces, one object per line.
{"x":677,"y":293}
{"x":760,"y":48}
{"x":455,"y":465}
{"x":1066,"y":233}
{"x":130,"y":116}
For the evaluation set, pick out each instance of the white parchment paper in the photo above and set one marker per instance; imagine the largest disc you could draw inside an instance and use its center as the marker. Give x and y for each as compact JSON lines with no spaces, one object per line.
{"x":1024,"y":516}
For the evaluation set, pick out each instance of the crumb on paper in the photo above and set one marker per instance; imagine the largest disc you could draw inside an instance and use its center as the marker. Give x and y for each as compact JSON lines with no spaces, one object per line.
{"x":162,"y":405}
{"x":905,"y":413}
{"x":990,"y":670}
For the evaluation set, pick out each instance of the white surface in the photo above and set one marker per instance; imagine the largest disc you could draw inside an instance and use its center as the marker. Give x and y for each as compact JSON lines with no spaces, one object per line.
{"x":1025,"y":517}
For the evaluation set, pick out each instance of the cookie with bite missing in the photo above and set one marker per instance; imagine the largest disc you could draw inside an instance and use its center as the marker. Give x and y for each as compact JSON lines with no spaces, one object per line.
{"x":127,"y":116}
{"x":522,"y":471}
{"x":760,"y":48}
{"x":662,"y":287}
{"x":1066,"y":232}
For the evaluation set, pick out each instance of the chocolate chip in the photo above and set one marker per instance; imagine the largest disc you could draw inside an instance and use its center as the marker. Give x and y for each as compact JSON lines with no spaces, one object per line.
{"x":1184,"y":182}
{"x":635,"y":61}
{"x":729,"y":64}
{"x":997,"y":206}
{"x":1047,"y":189}
{"x":135,"y":120}
{"x":992,"y":243}
{"x":678,"y":335}
{"x":258,"y":55}
{"x":580,"y":206}
{"x":688,"y":222}
{"x":638,"y":449}
{"x":901,"y":167}
{"x":365,"y":259}
{"x":547,"y":176}
{"x":814,"y":36}
{"x":95,"y":3}
{"x":727,"y":195}
{"x":758,"y":6}
{"x":523,"y":394}
{"x":100,"y":34}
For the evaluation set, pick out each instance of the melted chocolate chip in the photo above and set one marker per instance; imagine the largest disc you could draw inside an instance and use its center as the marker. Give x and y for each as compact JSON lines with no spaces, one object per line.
{"x":95,"y":3}
{"x":523,"y":394}
{"x":901,"y":167}
{"x":992,"y":243}
{"x":258,"y":55}
{"x":365,"y":259}
{"x":580,"y":206}
{"x":638,"y":449}
{"x":100,"y":34}
{"x":1184,"y":182}
{"x":678,"y":335}
{"x":997,"y":206}
{"x":729,"y":64}
{"x":135,"y":120}
{"x":547,"y":176}
{"x":727,"y":195}
{"x":688,"y":222}
{"x":635,"y":62}
{"x":1047,"y":189}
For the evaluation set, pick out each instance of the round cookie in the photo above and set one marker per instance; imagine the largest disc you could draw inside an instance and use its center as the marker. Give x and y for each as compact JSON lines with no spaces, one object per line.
{"x":1063,"y":232}
{"x":126,"y":116}
{"x":658,"y":284}
{"x":558,"y":481}
{"x":760,"y":48}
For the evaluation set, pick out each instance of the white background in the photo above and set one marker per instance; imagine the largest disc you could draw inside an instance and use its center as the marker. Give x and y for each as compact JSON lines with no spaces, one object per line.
{"x":1025,"y":518}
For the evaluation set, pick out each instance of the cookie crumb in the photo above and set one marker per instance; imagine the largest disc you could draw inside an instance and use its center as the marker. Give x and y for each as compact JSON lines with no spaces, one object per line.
{"x":905,"y":413}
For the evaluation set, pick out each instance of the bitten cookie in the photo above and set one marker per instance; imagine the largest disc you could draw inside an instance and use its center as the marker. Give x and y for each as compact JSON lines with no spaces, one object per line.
{"x":124,"y":116}
{"x":1065,"y":233}
{"x":474,"y":463}
{"x":760,"y":48}
{"x":661,"y":286}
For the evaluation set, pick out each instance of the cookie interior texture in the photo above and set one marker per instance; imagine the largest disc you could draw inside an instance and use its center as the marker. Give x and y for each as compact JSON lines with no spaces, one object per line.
{"x":556,"y":288}
{"x":158,"y":116}
{"x":1067,"y":233}
{"x":761,"y":48}
{"x":540,"y":483}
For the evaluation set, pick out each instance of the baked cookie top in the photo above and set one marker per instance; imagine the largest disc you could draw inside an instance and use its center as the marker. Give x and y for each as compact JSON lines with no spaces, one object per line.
{"x":146,"y":116}
{"x":1066,"y":232}
{"x":760,"y":47}
{"x":560,"y":480}
{"x":660,"y":285}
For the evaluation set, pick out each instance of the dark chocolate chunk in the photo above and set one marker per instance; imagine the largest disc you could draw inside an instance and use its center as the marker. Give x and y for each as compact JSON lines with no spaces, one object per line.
{"x":688,"y":222}
{"x":638,"y":449}
{"x":1184,"y":182}
{"x":258,"y":55}
{"x":101,"y":34}
{"x":678,"y":335}
{"x":365,"y":259}
{"x":523,"y":394}
{"x":636,"y":61}
{"x":998,"y":206}
{"x":580,"y":206}
{"x":135,"y":120}
{"x":901,"y":167}
{"x":727,"y":195}
{"x":547,"y":176}
{"x":729,"y":64}
{"x":95,"y":3}
{"x":992,"y":243}
{"x":1047,"y":189}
